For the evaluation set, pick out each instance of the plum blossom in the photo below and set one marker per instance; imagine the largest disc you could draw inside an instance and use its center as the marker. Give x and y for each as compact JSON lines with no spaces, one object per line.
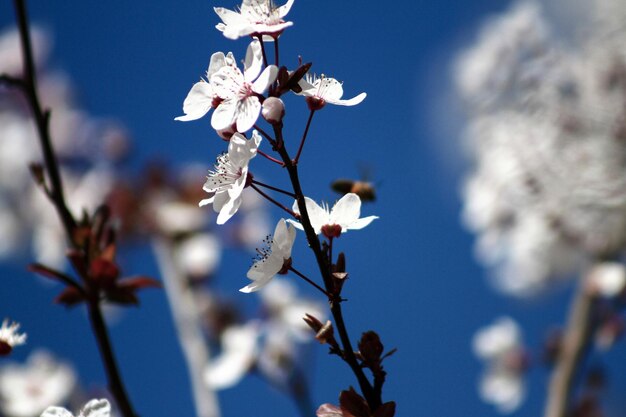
{"x":9,"y":337}
{"x":27,"y":390}
{"x":607,"y":279}
{"x":502,"y":383}
{"x":255,"y":17}
{"x":202,"y":97}
{"x":94,"y":408}
{"x":342,"y":217}
{"x":272,"y":261}
{"x":240,"y":91}
{"x":321,"y":90}
{"x":239,"y":352}
{"x":228,"y":179}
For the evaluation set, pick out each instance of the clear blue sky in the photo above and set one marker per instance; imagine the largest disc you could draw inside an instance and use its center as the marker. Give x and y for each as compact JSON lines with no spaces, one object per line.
{"x":414,"y":279}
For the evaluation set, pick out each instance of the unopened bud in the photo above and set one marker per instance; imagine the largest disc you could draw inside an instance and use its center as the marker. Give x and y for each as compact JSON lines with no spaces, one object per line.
{"x":273,"y":110}
{"x":326,"y":334}
{"x":313,"y":322}
{"x":36,"y":170}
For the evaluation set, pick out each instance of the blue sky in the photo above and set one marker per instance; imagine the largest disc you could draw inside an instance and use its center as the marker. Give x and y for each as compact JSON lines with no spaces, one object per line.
{"x":414,"y":279}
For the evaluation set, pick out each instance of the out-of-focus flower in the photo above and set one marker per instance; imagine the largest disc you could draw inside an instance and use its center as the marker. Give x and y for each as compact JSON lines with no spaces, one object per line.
{"x":239,"y":351}
{"x":11,"y":52}
{"x":607,"y":279}
{"x":255,"y":17}
{"x":502,"y":383}
{"x":27,"y":390}
{"x":333,"y":222}
{"x":239,"y":91}
{"x":546,"y":123}
{"x":273,"y":260}
{"x":94,"y":408}
{"x":202,"y":97}
{"x":199,"y":255}
{"x":228,"y":179}
{"x":9,"y":337}
{"x":321,"y":90}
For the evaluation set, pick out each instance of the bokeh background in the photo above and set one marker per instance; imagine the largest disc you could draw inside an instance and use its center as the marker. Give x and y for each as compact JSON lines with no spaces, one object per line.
{"x":413,"y":275}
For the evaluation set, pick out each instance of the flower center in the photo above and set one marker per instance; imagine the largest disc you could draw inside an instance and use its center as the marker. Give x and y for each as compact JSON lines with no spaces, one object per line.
{"x":331,"y":230}
{"x":5,"y":348}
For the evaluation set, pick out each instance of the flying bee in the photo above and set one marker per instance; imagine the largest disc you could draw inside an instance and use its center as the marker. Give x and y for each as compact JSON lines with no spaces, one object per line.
{"x":364,"y":189}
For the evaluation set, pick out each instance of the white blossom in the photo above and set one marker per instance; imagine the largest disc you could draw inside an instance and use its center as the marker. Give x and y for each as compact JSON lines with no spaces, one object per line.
{"x":324,"y":90}
{"x":500,"y":346}
{"x":607,"y":279}
{"x":240,"y":91}
{"x":272,"y":260}
{"x":547,"y":194}
{"x":255,"y":17}
{"x":344,"y":216}
{"x":227,"y":181}
{"x":202,"y":96}
{"x":27,"y":390}
{"x":239,"y":352}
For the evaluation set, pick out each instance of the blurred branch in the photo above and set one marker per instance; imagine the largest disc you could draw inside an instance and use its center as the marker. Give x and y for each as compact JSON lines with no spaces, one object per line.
{"x":54,"y":190}
{"x":188,"y":327}
{"x":575,"y":342}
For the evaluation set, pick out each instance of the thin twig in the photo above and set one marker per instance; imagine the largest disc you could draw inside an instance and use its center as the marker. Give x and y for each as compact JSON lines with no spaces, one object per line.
{"x":279,"y":190}
{"x":575,"y":342}
{"x":310,"y":281}
{"x":270,"y":199}
{"x":304,"y":135}
{"x":271,"y":158}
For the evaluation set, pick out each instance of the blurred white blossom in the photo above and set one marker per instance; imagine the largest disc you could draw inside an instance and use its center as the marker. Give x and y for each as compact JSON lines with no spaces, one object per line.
{"x":28,"y":389}
{"x":546,"y":129}
{"x":500,"y":346}
{"x":254,"y":17}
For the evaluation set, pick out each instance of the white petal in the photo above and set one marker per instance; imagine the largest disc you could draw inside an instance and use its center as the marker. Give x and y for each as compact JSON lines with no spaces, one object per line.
{"x":346,"y":210}
{"x":351,"y":102}
{"x":247,"y":113}
{"x":198,"y":101}
{"x":254,"y":61}
{"x":232,"y":205}
{"x":56,"y":412}
{"x":330,"y":89}
{"x":265,"y":79}
{"x":262,"y":271}
{"x":96,"y":408}
{"x":361,"y":223}
{"x":205,"y":202}
{"x":218,"y":60}
{"x":284,"y":237}
{"x":296,"y":224}
{"x":284,"y":9}
{"x":227,"y":82}
{"x":317,"y":215}
{"x":224,"y":115}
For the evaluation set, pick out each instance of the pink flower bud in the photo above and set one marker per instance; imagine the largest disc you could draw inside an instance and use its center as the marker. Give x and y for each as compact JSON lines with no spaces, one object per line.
{"x":273,"y":110}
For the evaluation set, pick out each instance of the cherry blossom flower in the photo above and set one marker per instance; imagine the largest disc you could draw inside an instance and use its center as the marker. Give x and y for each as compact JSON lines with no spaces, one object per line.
{"x":607,"y":279}
{"x":27,"y":390}
{"x":274,"y":260}
{"x":502,"y":383}
{"x":9,"y":337}
{"x":240,"y":91}
{"x":202,"y":97}
{"x":255,"y":17}
{"x":94,"y":408}
{"x":228,"y":179}
{"x":342,"y":217}
{"x":239,"y":352}
{"x":321,"y":90}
